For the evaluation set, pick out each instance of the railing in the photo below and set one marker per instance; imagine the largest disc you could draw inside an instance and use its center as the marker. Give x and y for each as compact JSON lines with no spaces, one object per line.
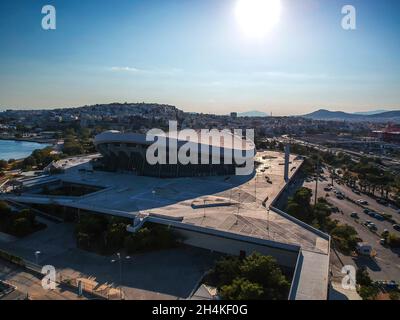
{"x":296,"y":277}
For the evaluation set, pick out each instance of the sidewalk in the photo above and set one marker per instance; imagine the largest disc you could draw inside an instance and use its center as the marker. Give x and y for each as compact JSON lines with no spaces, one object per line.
{"x":30,"y":283}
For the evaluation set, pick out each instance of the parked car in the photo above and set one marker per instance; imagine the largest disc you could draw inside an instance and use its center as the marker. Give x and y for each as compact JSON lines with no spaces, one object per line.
{"x":354,"y":215}
{"x":392,"y":285}
{"x":378,"y":217}
{"x":382,"y":202}
{"x":396,"y":227}
{"x":366,"y":211}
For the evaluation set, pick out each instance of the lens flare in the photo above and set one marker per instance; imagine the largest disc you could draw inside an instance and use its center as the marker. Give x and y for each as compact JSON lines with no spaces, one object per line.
{"x":257,"y":17}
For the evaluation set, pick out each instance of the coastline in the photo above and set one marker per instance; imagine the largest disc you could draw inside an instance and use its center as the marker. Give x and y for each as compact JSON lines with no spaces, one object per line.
{"x":19,"y":155}
{"x":35,"y":140}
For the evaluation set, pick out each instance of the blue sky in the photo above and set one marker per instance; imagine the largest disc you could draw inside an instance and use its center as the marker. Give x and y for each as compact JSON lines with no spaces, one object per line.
{"x":192,"y":54}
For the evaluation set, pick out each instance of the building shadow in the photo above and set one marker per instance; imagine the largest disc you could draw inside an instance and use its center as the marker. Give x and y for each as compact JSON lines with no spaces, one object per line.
{"x":367,"y":262}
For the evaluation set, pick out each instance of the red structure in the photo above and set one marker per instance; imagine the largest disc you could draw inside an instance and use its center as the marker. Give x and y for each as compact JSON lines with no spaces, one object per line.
{"x":390,"y":134}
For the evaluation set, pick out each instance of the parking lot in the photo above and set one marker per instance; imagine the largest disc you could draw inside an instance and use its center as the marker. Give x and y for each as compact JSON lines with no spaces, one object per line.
{"x":386,"y":264}
{"x":163,"y":275}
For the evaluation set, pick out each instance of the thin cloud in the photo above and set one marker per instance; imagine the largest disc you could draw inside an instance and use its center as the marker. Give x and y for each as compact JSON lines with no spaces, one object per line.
{"x":292,"y":76}
{"x":165,"y":72}
{"x":124,"y":69}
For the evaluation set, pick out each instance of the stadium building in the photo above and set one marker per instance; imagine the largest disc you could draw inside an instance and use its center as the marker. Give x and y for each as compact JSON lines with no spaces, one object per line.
{"x":215,"y":153}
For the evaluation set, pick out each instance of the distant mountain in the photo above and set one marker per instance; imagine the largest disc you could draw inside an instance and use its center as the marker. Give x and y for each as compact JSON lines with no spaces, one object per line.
{"x":253,"y":114}
{"x":369,"y":113}
{"x":323,"y":114}
{"x":386,"y":115}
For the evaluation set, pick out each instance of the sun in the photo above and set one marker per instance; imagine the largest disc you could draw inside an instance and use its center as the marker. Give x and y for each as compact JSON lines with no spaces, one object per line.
{"x":257,"y":17}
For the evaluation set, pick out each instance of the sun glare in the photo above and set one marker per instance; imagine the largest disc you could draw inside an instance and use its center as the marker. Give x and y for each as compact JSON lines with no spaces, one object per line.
{"x":257,"y":17}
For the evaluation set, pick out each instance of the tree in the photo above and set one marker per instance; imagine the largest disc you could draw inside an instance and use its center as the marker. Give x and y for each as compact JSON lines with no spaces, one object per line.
{"x":21,"y":227}
{"x":226,"y":270}
{"x":90,"y":231}
{"x":72,"y":148}
{"x":242,"y":289}
{"x":28,"y":215}
{"x":345,"y":237}
{"x":152,"y":237}
{"x":3,"y":164}
{"x":368,"y":292}
{"x":363,"y":278}
{"x":303,"y":197}
{"x":299,"y":205}
{"x":321,"y":212}
{"x":4,"y":208}
{"x":115,"y":235}
{"x":393,"y":241}
{"x":264,"y":271}
{"x":255,"y":277}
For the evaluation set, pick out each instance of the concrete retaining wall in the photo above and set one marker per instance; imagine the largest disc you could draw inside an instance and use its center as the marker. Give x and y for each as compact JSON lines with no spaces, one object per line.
{"x":231,"y":243}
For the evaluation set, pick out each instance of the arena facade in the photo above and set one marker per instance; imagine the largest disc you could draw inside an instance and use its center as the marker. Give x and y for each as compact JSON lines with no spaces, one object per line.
{"x":187,"y":153}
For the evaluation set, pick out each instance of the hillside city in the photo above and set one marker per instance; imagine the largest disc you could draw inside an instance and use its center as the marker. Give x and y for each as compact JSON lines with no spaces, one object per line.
{"x":339,"y":196}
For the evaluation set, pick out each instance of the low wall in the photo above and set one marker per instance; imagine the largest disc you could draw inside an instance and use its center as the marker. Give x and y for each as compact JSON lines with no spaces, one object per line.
{"x":301,"y":223}
{"x":234,"y":247}
{"x":231,"y":243}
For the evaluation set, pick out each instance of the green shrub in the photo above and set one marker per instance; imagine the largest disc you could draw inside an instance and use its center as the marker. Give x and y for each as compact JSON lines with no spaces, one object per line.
{"x":345,"y":237}
{"x":255,"y":277}
{"x":242,"y":289}
{"x":152,"y":237}
{"x":394,"y":295}
{"x":393,"y":241}
{"x":368,"y":292}
{"x":21,"y":227}
{"x":363,"y":278}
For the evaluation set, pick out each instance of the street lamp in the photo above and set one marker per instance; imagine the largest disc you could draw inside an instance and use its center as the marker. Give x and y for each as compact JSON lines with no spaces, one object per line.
{"x":119,"y":259}
{"x":37,"y":253}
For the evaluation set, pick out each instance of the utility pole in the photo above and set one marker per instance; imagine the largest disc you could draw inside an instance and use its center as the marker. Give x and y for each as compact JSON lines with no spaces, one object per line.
{"x":255,"y":188}
{"x":238,"y":205}
{"x":316,"y":183}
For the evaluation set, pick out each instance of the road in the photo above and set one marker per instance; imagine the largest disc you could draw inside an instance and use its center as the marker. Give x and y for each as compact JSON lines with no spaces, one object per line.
{"x":386,"y":265}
